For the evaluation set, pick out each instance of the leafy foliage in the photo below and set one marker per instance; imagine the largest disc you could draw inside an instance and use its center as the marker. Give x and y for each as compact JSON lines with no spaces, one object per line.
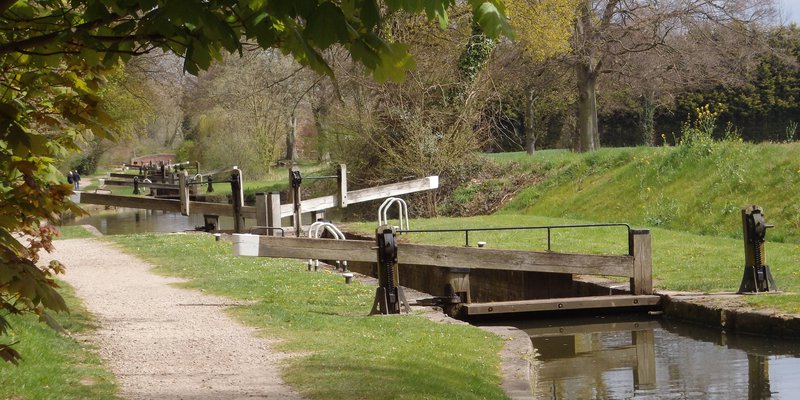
{"x":544,"y":27}
{"x":54,"y":59}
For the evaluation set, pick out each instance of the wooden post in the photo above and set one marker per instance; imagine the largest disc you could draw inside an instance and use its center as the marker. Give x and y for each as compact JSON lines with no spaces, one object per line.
{"x":644,"y":375}
{"x":341,"y":177}
{"x":273,"y":211}
{"x":294,"y":197}
{"x":238,"y":200}
{"x":261,"y":210}
{"x":640,"y":249}
{"x":317,"y":215}
{"x":183,"y":192}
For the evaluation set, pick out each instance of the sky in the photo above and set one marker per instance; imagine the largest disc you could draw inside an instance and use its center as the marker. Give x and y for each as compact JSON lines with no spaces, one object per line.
{"x":791,"y":9}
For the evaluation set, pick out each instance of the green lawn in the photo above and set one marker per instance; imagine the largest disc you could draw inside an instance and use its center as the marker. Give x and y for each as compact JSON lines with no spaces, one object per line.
{"x":73,"y":232}
{"x":55,"y":366}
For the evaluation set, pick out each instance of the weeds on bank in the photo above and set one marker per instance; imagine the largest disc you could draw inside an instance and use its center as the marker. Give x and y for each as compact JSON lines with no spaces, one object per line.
{"x":346,"y":354}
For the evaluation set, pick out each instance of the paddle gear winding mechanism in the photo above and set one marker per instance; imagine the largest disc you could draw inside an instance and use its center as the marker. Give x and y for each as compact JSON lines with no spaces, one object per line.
{"x":757,"y":277}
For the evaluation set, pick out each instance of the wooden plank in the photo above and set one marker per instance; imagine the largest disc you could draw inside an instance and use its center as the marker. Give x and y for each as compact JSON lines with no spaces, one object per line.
{"x":304,"y":248}
{"x":600,"y":361}
{"x":274,"y":209}
{"x":341,"y":173}
{"x":318,"y":204}
{"x":567,"y":303}
{"x":362,"y":195}
{"x":514,"y":260}
{"x":124,"y":176}
{"x":130,"y":202}
{"x":160,"y":204}
{"x":465,"y":257}
{"x":153,"y":185}
{"x":261,"y":210}
{"x":310,"y":205}
{"x":582,"y":329}
{"x":183,"y":191}
{"x":642,"y":279}
{"x":392,"y":189}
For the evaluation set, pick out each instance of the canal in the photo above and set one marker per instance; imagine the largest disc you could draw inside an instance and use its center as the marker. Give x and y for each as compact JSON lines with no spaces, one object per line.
{"x":601,"y":357}
{"x":646,"y":357}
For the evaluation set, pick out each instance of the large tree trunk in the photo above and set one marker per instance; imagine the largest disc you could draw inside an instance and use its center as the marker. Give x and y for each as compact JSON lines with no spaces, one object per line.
{"x":588,"y":134}
{"x":291,"y":140}
{"x":646,"y":119}
{"x":530,"y":114}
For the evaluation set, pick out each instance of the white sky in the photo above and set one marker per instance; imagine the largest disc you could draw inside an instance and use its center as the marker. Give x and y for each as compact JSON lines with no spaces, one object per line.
{"x":791,"y":10}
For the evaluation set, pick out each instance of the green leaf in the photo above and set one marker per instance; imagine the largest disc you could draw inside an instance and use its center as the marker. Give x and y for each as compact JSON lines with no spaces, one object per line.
{"x":370,"y":13}
{"x":395,"y":60}
{"x":10,"y":355}
{"x":51,"y":322}
{"x":326,"y":26}
{"x":491,"y":19}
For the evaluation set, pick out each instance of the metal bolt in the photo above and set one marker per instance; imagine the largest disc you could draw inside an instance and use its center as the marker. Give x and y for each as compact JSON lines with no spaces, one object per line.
{"x":348,"y":277}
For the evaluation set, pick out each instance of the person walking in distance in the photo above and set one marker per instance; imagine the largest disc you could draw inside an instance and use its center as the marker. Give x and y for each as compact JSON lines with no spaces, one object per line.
{"x":70,"y":179}
{"x":76,"y":179}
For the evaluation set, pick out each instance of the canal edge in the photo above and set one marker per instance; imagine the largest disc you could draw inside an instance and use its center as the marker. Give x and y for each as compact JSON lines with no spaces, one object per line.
{"x":725,"y":311}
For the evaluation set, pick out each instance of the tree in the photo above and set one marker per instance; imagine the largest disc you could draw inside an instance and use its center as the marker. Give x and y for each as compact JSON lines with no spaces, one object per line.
{"x":253,"y":99}
{"x":607,"y":31}
{"x":53,"y":56}
{"x":544,"y":28}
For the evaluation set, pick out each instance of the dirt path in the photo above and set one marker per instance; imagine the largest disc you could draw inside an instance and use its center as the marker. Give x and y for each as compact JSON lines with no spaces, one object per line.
{"x":164,"y":342}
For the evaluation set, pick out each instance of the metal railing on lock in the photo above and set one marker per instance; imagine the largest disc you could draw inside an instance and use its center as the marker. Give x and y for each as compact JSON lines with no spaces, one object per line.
{"x":549,"y":229}
{"x":402,"y":212}
{"x":315,"y":231}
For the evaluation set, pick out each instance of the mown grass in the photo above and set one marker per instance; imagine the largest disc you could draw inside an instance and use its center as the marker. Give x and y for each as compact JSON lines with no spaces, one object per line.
{"x":55,"y":366}
{"x":699,"y":190}
{"x":681,"y":261}
{"x":346,"y":354}
{"x":73,"y":232}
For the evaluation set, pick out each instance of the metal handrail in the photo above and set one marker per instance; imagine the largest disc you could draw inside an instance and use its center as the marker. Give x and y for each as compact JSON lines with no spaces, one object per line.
{"x":516,"y":228}
{"x":315,"y":230}
{"x":254,"y":228}
{"x":402,"y":207}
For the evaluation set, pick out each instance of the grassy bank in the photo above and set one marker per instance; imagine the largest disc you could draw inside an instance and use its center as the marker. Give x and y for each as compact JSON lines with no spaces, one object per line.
{"x":681,"y":261}
{"x":346,"y":354}
{"x":55,"y":366}
{"x":698,"y":189}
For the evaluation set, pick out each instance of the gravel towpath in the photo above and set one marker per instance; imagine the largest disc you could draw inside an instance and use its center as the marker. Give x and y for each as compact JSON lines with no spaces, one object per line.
{"x":164,"y":342}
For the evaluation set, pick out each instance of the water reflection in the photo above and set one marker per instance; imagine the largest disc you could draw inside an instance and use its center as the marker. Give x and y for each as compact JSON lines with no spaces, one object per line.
{"x":127,"y":221}
{"x":637,"y":357}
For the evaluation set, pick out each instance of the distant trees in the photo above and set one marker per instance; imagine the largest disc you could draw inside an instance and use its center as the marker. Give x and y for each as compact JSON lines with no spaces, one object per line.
{"x":242,"y":109}
{"x":766,"y":103}
{"x":608,"y":32}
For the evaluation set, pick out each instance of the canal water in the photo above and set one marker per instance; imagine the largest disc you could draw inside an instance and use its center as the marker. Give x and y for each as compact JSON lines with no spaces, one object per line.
{"x":609,"y":357}
{"x":127,"y":221}
{"x":644,"y":357}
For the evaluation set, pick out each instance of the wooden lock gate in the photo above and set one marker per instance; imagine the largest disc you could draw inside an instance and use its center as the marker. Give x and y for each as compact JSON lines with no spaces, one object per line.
{"x":637,"y":266}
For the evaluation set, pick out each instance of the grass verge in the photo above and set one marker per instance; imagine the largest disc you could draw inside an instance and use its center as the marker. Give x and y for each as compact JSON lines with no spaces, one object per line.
{"x":73,"y":232}
{"x":56,"y":366}
{"x":681,"y":261}
{"x":347,"y":354}
{"x":698,"y":189}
